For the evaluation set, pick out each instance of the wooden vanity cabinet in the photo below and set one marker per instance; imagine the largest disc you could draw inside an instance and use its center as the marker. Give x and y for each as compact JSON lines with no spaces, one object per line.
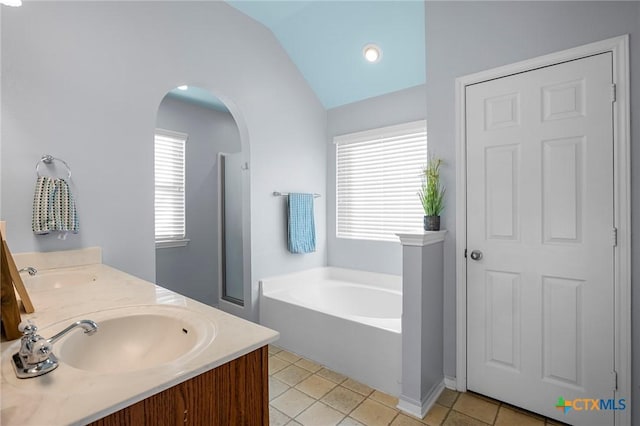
{"x":236,"y":393}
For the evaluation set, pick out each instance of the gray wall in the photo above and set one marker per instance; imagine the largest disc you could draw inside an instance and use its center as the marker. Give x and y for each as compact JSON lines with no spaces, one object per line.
{"x":83,"y":81}
{"x":467,"y":37}
{"x":193,"y":270}
{"x":1,"y":216}
{"x":395,"y":108}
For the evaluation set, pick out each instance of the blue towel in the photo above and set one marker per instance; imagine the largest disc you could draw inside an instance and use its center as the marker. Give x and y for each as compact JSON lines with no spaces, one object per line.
{"x":302,"y":228}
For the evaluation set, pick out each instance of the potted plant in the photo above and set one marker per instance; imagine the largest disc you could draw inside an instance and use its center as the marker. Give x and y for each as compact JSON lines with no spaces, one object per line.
{"x":432,"y":194}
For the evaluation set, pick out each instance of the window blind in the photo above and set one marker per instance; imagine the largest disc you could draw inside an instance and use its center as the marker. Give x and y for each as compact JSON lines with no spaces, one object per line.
{"x":378,"y":175}
{"x":169,"y":185}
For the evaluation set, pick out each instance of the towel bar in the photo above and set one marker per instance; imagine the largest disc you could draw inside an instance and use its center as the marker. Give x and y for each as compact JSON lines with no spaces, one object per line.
{"x":284,"y":194}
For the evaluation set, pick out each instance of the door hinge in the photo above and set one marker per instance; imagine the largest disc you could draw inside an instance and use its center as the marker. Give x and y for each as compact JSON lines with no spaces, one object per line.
{"x":613,"y":93}
{"x":614,"y":380}
{"x":614,"y":237}
{"x":465,"y":253}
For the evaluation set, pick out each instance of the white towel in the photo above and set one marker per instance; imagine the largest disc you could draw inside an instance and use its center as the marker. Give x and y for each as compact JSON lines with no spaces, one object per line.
{"x":54,"y":208}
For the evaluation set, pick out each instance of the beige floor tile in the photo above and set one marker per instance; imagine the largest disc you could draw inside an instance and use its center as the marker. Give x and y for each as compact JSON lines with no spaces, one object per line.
{"x":274,"y":349}
{"x":331,"y":375}
{"x":525,"y":412}
{"x":357,"y":387}
{"x":276,"y":418}
{"x":308,"y":365}
{"x":485,"y":398}
{"x":292,"y":375}
{"x":404,"y":420}
{"x":551,"y":422}
{"x":316,"y":386}
{"x":509,"y":417}
{"x":288,"y":356}
{"x":276,"y":364}
{"x":343,"y":399}
{"x":477,"y":408}
{"x":436,"y":415}
{"x":320,"y":414}
{"x":448,"y":397}
{"x":372,"y":413}
{"x":292,"y":402}
{"x":458,"y":419}
{"x":293,"y":423}
{"x":348,"y":421}
{"x":388,"y":400}
{"x":276,"y":387}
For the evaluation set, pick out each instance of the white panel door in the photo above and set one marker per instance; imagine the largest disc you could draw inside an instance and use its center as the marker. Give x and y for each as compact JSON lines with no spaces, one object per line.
{"x":540,"y":210}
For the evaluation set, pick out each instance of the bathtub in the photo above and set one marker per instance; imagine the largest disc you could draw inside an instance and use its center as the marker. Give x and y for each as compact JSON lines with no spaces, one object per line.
{"x":346,"y":320}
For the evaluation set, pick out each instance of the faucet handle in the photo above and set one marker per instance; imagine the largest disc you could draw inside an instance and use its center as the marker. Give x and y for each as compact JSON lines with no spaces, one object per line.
{"x":27,"y":328}
{"x":41,"y":349}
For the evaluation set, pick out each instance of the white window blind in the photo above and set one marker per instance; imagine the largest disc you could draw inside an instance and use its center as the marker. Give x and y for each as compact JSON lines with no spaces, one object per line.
{"x":169,"y":187}
{"x":378,"y":175}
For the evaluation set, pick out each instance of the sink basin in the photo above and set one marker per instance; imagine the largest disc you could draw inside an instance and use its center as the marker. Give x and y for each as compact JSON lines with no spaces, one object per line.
{"x":130,"y":339}
{"x":58,"y":279}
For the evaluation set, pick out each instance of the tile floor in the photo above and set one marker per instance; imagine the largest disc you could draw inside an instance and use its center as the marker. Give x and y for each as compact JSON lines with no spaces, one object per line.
{"x":302,"y":392}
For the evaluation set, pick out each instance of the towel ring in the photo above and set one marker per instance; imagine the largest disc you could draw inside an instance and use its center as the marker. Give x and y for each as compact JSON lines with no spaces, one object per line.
{"x":48,"y":159}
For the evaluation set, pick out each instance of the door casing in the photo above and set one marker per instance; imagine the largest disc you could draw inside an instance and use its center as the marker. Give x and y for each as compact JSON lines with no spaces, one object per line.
{"x":619,"y":46}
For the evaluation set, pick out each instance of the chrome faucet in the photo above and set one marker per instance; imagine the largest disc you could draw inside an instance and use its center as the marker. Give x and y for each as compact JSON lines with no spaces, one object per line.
{"x":35,"y":356}
{"x":88,"y":326}
{"x":30,"y":269}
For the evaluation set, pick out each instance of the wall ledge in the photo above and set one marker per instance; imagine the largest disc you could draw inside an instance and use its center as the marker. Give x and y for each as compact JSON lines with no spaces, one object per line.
{"x":59,"y":259}
{"x":420,"y":238}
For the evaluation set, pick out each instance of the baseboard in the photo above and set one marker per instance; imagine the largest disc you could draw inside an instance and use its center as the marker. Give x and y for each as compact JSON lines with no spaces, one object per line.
{"x":420,"y":408}
{"x":450,"y":383}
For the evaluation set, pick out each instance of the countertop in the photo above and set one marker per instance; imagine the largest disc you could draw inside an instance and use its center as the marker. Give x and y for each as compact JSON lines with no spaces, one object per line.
{"x":71,"y":396}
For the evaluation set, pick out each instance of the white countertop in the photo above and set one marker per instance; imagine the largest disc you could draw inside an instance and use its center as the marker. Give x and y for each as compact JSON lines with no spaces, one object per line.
{"x":71,"y":396}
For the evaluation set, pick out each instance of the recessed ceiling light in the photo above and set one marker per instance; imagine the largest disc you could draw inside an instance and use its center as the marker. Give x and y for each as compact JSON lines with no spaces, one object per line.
{"x":372,"y":53}
{"x":183,"y":87}
{"x":12,"y":3}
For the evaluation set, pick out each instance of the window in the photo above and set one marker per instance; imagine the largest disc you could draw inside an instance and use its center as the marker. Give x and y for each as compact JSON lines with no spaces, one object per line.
{"x":378,"y":175}
{"x":169,"y":188}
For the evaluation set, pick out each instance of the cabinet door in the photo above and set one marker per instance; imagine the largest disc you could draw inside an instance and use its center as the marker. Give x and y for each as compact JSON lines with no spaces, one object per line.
{"x":236,"y":393}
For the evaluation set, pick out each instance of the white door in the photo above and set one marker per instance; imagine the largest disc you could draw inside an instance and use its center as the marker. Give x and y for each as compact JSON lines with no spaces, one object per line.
{"x":540,"y":210}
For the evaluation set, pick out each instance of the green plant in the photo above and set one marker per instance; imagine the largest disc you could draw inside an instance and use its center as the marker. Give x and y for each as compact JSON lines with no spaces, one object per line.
{"x":432,"y":192}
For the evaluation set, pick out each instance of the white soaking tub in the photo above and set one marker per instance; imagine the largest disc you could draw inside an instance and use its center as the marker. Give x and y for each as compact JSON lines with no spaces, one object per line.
{"x":347,"y":320}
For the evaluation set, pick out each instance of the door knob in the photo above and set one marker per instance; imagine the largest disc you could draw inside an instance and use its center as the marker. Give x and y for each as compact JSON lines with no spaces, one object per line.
{"x":476,"y":255}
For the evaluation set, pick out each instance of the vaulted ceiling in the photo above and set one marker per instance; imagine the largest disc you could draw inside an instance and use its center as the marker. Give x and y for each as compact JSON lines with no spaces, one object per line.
{"x":325,"y":40}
